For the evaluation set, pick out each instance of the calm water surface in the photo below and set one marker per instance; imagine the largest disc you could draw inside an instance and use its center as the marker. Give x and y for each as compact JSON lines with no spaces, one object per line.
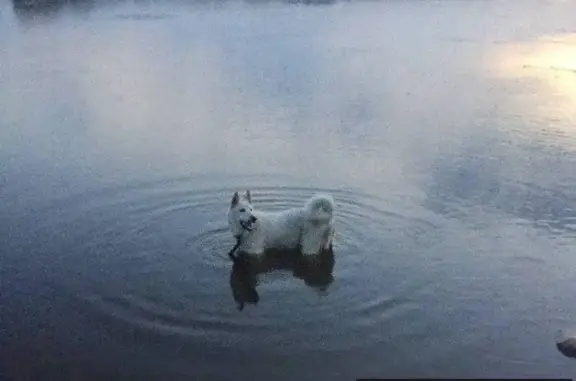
{"x":445,"y":130}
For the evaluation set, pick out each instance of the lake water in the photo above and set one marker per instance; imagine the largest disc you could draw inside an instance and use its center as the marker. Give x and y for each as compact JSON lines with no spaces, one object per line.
{"x":446,"y":131}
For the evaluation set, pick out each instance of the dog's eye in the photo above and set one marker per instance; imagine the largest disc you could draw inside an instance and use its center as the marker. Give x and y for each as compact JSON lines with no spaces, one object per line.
{"x":242,"y":210}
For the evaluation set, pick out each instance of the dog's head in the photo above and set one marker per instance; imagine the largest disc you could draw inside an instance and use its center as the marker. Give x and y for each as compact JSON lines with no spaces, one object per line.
{"x":240,"y":217}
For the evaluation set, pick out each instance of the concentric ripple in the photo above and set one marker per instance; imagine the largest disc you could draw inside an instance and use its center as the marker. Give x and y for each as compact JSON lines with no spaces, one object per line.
{"x":153,"y":258}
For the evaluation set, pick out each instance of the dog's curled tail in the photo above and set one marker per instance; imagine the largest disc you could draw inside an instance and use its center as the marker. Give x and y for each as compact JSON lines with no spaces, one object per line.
{"x":320,"y":207}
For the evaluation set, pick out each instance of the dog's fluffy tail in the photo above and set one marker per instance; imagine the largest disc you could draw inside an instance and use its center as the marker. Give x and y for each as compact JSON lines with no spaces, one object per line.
{"x":320,"y":207}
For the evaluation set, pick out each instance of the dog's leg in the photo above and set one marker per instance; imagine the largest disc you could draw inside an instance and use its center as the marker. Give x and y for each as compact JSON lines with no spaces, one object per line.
{"x":253,"y":249}
{"x":309,"y":248}
{"x":328,"y":238}
{"x":253,"y":245}
{"x":311,"y":242}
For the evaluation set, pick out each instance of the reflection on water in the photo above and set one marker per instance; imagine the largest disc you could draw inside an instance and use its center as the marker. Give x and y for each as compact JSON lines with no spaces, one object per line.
{"x":444,"y":130}
{"x":30,"y":10}
{"x":550,"y":59}
{"x":518,"y":163}
{"x":52,"y":7}
{"x":315,"y":271}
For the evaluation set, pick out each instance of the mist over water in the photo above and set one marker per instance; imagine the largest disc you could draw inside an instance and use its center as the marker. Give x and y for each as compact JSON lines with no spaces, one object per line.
{"x":443,"y":129}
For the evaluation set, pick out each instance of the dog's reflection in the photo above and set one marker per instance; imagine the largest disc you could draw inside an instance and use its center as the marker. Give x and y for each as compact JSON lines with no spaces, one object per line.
{"x":314,"y":270}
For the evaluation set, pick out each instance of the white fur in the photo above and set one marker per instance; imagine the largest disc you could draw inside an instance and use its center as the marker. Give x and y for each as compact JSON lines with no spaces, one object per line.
{"x":309,"y":228}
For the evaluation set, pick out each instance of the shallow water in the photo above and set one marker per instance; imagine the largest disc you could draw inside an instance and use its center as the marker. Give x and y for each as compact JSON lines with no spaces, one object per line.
{"x":444,"y":130}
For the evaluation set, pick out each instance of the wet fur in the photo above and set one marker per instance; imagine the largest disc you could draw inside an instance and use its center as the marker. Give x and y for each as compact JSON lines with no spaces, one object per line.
{"x":309,"y":228}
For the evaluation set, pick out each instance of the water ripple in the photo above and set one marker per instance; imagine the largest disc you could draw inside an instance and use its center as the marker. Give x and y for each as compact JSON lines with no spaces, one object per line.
{"x":156,"y":255}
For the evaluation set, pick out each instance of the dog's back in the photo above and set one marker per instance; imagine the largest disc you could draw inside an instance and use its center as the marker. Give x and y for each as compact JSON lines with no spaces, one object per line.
{"x":281,"y":229}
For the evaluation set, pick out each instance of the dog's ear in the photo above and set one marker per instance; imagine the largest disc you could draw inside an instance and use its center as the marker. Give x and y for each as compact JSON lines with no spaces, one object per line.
{"x":248,"y":196}
{"x":235,"y":200}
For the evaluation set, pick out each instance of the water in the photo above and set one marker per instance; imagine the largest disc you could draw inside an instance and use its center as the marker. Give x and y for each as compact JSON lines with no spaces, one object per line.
{"x":444,"y":130}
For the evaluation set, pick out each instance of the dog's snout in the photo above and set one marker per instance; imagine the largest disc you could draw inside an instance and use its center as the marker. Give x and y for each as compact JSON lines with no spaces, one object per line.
{"x":253,"y":219}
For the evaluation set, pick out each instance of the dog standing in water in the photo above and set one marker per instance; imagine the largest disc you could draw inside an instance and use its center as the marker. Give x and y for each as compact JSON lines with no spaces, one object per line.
{"x":309,"y":228}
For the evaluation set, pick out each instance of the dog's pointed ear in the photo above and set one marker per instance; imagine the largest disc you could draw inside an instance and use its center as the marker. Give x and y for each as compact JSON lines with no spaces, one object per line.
{"x":248,"y":196}
{"x":235,"y":200}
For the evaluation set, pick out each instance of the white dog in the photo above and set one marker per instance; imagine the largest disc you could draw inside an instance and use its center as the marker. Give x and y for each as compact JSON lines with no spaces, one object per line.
{"x":309,"y":228}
